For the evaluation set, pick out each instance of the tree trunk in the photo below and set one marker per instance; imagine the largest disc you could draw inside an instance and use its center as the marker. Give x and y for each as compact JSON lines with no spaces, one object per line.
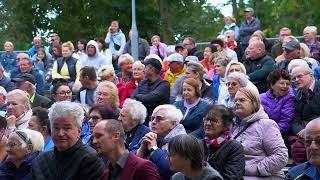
{"x":165,"y":30}
{"x":235,"y":11}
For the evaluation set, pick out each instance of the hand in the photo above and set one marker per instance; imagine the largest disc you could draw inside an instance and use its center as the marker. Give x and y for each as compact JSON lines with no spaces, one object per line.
{"x":142,"y":151}
{"x":11,"y":121}
{"x":109,"y":29}
{"x":150,"y":139}
{"x":301,"y":133}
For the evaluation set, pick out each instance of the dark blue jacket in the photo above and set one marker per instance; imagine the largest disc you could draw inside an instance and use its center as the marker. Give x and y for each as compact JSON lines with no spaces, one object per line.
{"x":8,"y":61}
{"x":9,"y":171}
{"x":90,"y":94}
{"x":216,"y":84}
{"x":303,"y":171}
{"x":193,"y":121}
{"x":6,"y":83}
{"x":71,"y":63}
{"x":136,"y":141}
{"x":37,"y":75}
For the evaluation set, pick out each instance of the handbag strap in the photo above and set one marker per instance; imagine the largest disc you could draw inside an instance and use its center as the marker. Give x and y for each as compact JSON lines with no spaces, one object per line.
{"x":242,"y":130}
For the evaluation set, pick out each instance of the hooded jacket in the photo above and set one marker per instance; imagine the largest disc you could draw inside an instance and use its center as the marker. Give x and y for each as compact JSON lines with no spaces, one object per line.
{"x":97,"y":61}
{"x":117,"y":38}
{"x":264,"y":148}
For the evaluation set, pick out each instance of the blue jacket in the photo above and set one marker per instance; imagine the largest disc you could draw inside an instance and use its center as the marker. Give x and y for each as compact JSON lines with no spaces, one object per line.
{"x":8,"y":61}
{"x":37,"y":75}
{"x":9,"y":171}
{"x":303,"y":171}
{"x":136,"y":141}
{"x":6,"y":83}
{"x":48,"y":145}
{"x":216,"y":84}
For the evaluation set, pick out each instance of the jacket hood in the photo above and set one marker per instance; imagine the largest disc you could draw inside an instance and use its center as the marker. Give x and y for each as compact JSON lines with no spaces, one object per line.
{"x":95,"y":44}
{"x":256,"y":116}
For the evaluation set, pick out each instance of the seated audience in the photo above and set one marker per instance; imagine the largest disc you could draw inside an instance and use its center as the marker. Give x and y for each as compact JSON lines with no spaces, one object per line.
{"x":176,"y":68}
{"x":220,"y":90}
{"x":125,"y":63}
{"x":61,"y":91}
{"x":8,"y":58}
{"x":3,"y":139}
{"x":158,"y":47}
{"x":205,"y":62}
{"x":89,"y":83}
{"x":107,"y":73}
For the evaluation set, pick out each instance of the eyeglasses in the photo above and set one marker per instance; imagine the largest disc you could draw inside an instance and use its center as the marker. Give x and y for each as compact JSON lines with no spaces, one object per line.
{"x":308,"y":142}
{"x":94,"y":118}
{"x":65,"y":93}
{"x":233,"y":84}
{"x":186,"y":44}
{"x":299,"y":76}
{"x":157,"y":118}
{"x":211,"y":120}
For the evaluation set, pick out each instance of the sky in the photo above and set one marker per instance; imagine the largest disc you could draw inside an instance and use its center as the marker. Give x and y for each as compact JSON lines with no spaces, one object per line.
{"x":225,"y":10}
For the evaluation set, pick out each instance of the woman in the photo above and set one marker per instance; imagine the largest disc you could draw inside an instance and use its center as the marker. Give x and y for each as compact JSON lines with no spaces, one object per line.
{"x":23,"y":146}
{"x":8,"y":58}
{"x":235,"y":81}
{"x":126,"y":89}
{"x":230,"y":24}
{"x":104,"y":50}
{"x":192,"y":107}
{"x":205,"y":62}
{"x":158,"y":47}
{"x":107,"y":73}
{"x":264,"y":148}
{"x":107,"y":93}
{"x":40,"y":122}
{"x":132,"y":116}
{"x":220,"y":44}
{"x":222,"y":152}
{"x":186,"y":156}
{"x":278,"y":101}
{"x":81,"y":49}
{"x":220,"y":90}
{"x":66,"y":67}
{"x":125,"y":63}
{"x":165,"y":124}
{"x":60,"y":90}
{"x":42,"y":63}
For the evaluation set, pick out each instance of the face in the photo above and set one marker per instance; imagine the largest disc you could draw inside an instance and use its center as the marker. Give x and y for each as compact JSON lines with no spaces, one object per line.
{"x":155,"y":41}
{"x":84,"y":79}
{"x":281,"y":87}
{"x":182,"y":51}
{"x":149,"y":71}
{"x":66,"y":52}
{"x":188,"y":91}
{"x":235,"y":68}
{"x":2,"y":99}
{"x":126,"y":119}
{"x":312,"y":143}
{"x":103,"y":96}
{"x":177,"y":162}
{"x":207,"y":53}
{"x":252,"y":51}
{"x":15,"y":106}
{"x":126,"y":66}
{"x":230,"y":36}
{"x":138,"y":72}
{"x":34,"y":124}
{"x":191,"y":74}
{"x":219,"y":69}
{"x":187,"y":44}
{"x":25,"y":66}
{"x":160,"y":124}
{"x":15,"y":151}
{"x":243,"y":105}
{"x":308,"y":35}
{"x":175,"y":67}
{"x":233,"y":87}
{"x":291,"y":54}
{"x":8,"y":47}
{"x":55,"y":52}
{"x":301,"y":78}
{"x":63,"y":94}
{"x":65,"y":133}
{"x":95,"y":117}
{"x":103,"y":140}
{"x":114,"y":27}
{"x":55,"y":40}
{"x":99,"y":45}
{"x":80,"y":46}
{"x":91,"y":50}
{"x":37,"y":43}
{"x":40,"y":55}
{"x":227,"y":20}
{"x":249,"y":15}
{"x":213,"y":126}
{"x":283,"y":35}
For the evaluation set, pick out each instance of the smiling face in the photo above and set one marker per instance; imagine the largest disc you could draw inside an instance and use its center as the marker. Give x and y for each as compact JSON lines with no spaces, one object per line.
{"x":281,"y":87}
{"x":138,"y":72}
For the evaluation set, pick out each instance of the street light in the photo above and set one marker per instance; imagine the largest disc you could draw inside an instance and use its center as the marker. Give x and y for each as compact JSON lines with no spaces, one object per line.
{"x":134,"y":33}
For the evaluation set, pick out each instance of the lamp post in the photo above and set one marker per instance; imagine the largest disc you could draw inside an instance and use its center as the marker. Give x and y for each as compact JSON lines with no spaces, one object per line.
{"x":134,"y":33}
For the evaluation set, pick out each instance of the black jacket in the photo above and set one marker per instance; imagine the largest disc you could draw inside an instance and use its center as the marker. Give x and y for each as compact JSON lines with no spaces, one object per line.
{"x":41,"y":101}
{"x":78,"y":162}
{"x":229,"y":160}
{"x":195,"y":52}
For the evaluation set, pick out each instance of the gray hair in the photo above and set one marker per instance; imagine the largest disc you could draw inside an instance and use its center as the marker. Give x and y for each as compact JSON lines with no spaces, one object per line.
{"x":196,"y":68}
{"x":137,"y":110}
{"x":297,"y":62}
{"x":125,"y":57}
{"x":35,"y":137}
{"x":243,"y":68}
{"x":9,"y":43}
{"x":23,"y":96}
{"x":138,"y":63}
{"x":172,"y":113}
{"x":303,"y":68}
{"x":64,"y":109}
{"x":240,"y":77}
{"x":312,"y":29}
{"x":253,"y":95}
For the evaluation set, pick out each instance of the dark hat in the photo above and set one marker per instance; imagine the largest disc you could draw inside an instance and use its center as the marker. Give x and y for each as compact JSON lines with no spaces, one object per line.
{"x":25,"y":77}
{"x":291,"y":45}
{"x":248,"y":9}
{"x":156,"y":63}
{"x":179,"y":45}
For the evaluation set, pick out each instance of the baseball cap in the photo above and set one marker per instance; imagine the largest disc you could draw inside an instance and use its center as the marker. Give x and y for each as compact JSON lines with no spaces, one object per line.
{"x":179,"y":45}
{"x":175,"y":57}
{"x":248,"y":9}
{"x":291,"y":45}
{"x":25,"y":77}
{"x":193,"y":59}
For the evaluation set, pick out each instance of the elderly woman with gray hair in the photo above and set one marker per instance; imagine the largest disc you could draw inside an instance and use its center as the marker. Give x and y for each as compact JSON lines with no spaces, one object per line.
{"x":132,"y":116}
{"x":165,"y":124}
{"x":264,"y":149}
{"x":23,"y":146}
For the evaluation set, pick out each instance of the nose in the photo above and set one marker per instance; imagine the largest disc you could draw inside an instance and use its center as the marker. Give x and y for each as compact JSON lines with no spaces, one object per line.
{"x":94,"y":141}
{"x":60,"y":132}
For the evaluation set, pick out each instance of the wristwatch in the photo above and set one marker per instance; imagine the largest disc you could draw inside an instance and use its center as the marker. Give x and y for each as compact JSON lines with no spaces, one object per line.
{"x":153,"y":148}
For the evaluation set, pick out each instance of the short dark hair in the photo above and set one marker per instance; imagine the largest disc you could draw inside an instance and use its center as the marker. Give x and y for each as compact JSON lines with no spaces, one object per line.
{"x":113,"y":126}
{"x":189,"y":147}
{"x":90,"y":72}
{"x":193,"y":42}
{"x":155,"y":63}
{"x":84,"y":42}
{"x":217,"y":41}
{"x":42,"y":117}
{"x":276,"y":75}
{"x":101,"y":40}
{"x":3,"y":122}
{"x":223,"y":112}
{"x":56,"y":83}
{"x":213,"y":48}
{"x":106,"y":111}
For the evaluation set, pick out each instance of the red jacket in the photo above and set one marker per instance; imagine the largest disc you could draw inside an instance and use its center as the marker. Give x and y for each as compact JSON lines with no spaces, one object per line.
{"x":125,"y":90}
{"x":136,"y":168}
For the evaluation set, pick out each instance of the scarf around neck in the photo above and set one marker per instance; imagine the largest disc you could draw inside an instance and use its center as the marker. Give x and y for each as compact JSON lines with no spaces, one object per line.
{"x":216,"y":143}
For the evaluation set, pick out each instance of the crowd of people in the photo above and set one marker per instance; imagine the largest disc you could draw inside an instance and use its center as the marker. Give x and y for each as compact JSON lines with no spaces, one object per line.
{"x":241,"y":109}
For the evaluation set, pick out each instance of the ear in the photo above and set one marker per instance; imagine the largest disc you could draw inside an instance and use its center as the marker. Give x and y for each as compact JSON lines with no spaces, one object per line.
{"x":29,"y":148}
{"x":116,"y":135}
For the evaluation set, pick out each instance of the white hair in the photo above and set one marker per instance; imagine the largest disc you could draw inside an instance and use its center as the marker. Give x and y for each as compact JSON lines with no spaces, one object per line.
{"x":243,"y":68}
{"x":23,"y":96}
{"x":222,"y":37}
{"x":137,"y":110}
{"x":312,"y":29}
{"x":35,"y":137}
{"x":240,"y":77}
{"x":125,"y":57}
{"x":9,"y":43}
{"x":297,"y":62}
{"x":172,"y":113}
{"x":138,"y":63}
{"x":65,"y":109}
{"x":303,"y":68}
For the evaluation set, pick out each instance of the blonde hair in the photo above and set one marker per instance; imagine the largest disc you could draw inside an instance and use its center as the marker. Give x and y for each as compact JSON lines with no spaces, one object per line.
{"x":305,"y":49}
{"x":69,"y":45}
{"x":155,"y":36}
{"x":8,"y":43}
{"x":113,"y":90}
{"x":253,"y":96}
{"x":106,"y":71}
{"x":233,"y":19}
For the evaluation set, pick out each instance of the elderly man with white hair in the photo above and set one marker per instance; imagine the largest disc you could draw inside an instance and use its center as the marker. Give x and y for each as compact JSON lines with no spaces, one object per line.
{"x":70,"y":159}
{"x":132,"y":116}
{"x":165,"y":124}
{"x":310,"y":38}
{"x":19,"y":112}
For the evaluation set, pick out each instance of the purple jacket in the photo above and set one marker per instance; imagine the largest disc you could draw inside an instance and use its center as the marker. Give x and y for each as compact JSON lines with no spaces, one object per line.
{"x":162,"y":50}
{"x":280,"y":110}
{"x":264,"y":149}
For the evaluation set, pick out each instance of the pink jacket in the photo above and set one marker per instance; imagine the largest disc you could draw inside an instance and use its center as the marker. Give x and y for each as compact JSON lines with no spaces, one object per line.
{"x":264,"y":148}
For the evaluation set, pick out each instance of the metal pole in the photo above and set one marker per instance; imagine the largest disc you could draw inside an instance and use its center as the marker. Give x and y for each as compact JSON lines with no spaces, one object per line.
{"x":134,"y":33}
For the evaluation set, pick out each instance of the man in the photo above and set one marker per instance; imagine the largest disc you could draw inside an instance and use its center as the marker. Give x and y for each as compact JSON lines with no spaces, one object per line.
{"x":176,"y":68}
{"x":26,"y":66}
{"x":108,"y":138}
{"x":89,"y":82}
{"x":55,"y":41}
{"x":291,"y":51}
{"x":179,"y":48}
{"x":247,"y":28}
{"x":277,"y":48}
{"x":310,"y":169}
{"x":27,"y":83}
{"x":8,"y":58}
{"x":310,"y":38}
{"x":190,"y":44}
{"x":258,"y":65}
{"x":5,"y":81}
{"x":152,"y":91}
{"x":143,"y":47}
{"x":19,"y":112}
{"x":93,"y":57}
{"x":116,"y":40}
{"x":70,"y":159}
{"x":36,"y":45}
